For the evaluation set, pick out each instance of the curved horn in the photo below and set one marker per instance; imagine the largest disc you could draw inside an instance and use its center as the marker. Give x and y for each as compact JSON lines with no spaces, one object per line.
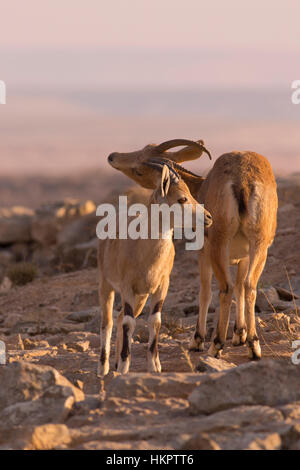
{"x":159,"y":166}
{"x":178,"y":142}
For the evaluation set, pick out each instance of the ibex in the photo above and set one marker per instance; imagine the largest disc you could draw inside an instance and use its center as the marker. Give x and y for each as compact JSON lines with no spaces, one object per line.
{"x":139,"y":268}
{"x":240,"y":194}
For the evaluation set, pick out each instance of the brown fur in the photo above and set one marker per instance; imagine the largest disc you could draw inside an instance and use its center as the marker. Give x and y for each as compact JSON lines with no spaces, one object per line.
{"x":240,"y":193}
{"x":137,"y":269}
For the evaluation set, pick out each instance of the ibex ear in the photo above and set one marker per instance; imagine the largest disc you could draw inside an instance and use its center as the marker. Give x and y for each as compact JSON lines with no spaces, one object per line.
{"x":165,"y":181}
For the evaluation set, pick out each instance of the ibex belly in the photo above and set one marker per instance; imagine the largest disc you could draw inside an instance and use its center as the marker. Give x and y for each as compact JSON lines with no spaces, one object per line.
{"x":239,"y":248}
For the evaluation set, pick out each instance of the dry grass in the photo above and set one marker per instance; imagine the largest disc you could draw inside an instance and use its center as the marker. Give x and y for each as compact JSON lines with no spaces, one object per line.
{"x":22,"y":273}
{"x":281,"y":321}
{"x":173,"y":325}
{"x":188,"y":358}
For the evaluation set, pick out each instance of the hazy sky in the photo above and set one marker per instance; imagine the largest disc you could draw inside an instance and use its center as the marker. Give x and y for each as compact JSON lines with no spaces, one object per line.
{"x":48,"y":47}
{"x":267,"y":24}
{"x":149,"y":43}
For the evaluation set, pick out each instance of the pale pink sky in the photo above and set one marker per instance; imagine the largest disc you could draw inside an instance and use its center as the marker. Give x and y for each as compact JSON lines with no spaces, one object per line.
{"x":49,"y":48}
{"x":266,"y":24}
{"x":149,"y":43}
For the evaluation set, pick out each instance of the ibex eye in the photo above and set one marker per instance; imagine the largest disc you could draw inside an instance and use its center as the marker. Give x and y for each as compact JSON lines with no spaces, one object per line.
{"x":138,"y":173}
{"x":182,"y":200}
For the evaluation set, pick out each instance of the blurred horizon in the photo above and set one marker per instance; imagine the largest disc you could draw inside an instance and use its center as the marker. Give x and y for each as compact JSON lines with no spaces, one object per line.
{"x":86,"y":79}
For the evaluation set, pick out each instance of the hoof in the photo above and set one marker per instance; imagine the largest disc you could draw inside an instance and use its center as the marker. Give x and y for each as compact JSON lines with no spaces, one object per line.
{"x":214,"y":352}
{"x":197,"y":344}
{"x":254,"y":350}
{"x":239,"y":337}
{"x":123,"y":366}
{"x":102,"y":369}
{"x":216,"y":348}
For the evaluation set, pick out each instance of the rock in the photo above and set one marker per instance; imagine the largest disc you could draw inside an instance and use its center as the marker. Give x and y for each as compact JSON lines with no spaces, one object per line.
{"x":266,"y":299}
{"x":244,"y":427}
{"x":5,"y":285}
{"x":88,"y":299}
{"x":91,"y":402}
{"x":200,"y":441}
{"x":49,"y":436}
{"x":285,"y":294}
{"x":51,"y":219}
{"x":141,"y":332}
{"x":81,"y":230}
{"x":33,"y":344}
{"x":12,"y":319}
{"x":32,"y":394}
{"x":81,"y":346}
{"x":194,"y":309}
{"x":208,"y":364}
{"x":82,"y":316}
{"x":288,"y":190}
{"x":94,"y":325}
{"x":151,"y":386}
{"x":255,"y":441}
{"x":82,"y":336}
{"x":33,"y":328}
{"x":262,"y":383}
{"x":191,"y":310}
{"x":292,"y":437}
{"x":291,"y":411}
{"x":15,"y":225}
{"x":286,"y":208}
{"x":6,"y":257}
{"x":80,"y":256}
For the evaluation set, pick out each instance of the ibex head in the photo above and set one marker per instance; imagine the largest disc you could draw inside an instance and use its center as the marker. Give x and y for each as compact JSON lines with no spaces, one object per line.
{"x":132,"y":164}
{"x":171,"y":189}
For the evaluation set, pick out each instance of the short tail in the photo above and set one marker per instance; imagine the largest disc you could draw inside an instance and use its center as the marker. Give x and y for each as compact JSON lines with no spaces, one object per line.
{"x":241,"y":198}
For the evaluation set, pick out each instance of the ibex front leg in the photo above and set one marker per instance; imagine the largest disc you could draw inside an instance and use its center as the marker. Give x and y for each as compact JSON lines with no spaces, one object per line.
{"x":258,"y":256}
{"x":154,"y":323}
{"x":128,"y":325}
{"x":240,"y":330}
{"x":106,"y":295}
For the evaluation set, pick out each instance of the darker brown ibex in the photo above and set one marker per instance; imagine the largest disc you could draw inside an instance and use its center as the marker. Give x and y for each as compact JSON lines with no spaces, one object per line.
{"x":240,"y":193}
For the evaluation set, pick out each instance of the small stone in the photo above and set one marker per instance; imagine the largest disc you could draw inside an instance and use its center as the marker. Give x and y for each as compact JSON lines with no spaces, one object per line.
{"x":50,"y":436}
{"x":81,"y":346}
{"x":83,"y":316}
{"x":200,"y":441}
{"x":209,"y":364}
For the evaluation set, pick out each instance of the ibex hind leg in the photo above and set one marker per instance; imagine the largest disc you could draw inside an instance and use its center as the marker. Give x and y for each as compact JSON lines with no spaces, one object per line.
{"x":197,"y":342}
{"x":220,"y":263}
{"x":258,"y":256}
{"x":240,"y":330}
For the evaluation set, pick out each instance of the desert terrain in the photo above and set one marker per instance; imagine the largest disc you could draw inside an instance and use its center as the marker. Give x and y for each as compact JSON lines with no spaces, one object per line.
{"x":50,"y":396}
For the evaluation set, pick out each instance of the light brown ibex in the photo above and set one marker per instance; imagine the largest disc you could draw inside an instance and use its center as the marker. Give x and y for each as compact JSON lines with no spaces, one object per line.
{"x":240,"y":193}
{"x":138,"y":268}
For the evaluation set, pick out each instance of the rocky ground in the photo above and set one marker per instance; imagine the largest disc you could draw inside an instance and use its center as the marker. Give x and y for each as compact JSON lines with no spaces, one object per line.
{"x":50,"y":396}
